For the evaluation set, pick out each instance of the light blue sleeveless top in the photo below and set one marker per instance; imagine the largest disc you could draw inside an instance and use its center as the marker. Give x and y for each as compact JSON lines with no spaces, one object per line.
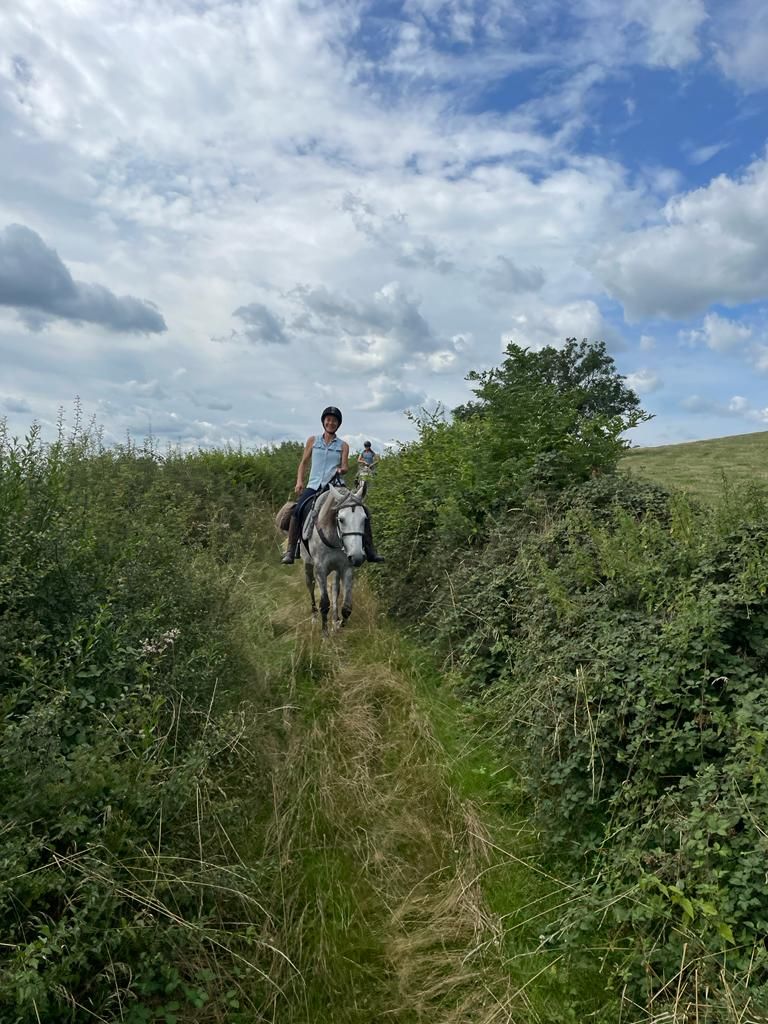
{"x":325,"y":459}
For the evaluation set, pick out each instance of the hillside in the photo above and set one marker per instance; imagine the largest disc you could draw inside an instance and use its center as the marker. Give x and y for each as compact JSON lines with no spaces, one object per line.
{"x":699,"y":467}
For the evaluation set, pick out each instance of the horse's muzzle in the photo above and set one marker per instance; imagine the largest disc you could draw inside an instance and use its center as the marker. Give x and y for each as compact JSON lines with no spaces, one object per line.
{"x":356,"y":560}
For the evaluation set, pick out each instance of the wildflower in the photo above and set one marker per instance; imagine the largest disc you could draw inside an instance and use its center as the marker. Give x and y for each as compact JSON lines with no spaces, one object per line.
{"x":159,"y":644}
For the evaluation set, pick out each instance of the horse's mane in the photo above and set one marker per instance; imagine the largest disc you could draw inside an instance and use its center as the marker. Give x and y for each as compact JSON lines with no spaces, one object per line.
{"x":327,"y":507}
{"x":326,"y":512}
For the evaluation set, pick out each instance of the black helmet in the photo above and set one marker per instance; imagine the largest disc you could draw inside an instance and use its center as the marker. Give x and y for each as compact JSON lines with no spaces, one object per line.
{"x":367,"y":444}
{"x":331,"y":410}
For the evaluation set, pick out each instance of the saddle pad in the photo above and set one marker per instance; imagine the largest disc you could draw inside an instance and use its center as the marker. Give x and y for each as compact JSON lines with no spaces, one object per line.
{"x":310,"y":511}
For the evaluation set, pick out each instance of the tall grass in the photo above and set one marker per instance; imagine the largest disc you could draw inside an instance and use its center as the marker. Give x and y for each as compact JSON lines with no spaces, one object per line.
{"x":401,"y":894}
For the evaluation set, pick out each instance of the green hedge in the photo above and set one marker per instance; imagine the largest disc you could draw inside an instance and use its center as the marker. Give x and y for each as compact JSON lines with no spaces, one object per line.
{"x":115,"y":606}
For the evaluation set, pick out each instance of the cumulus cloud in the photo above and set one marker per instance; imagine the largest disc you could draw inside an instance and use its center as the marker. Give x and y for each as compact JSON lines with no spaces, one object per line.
{"x":385,"y":394}
{"x":540,"y":324}
{"x":393,"y":234}
{"x":12,"y":403}
{"x":737,"y":406}
{"x":205,"y":401}
{"x":503,"y":275}
{"x":373,"y":334}
{"x":718,"y":333}
{"x":713,"y":248}
{"x":262,"y":326}
{"x":407,"y":158}
{"x":644,"y":381}
{"x":672,"y":30}
{"x":742,"y":42}
{"x":34,"y":280}
{"x":145,"y":389}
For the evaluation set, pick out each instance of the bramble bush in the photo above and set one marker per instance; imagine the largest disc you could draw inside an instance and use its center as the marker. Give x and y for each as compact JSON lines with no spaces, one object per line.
{"x":115,"y":601}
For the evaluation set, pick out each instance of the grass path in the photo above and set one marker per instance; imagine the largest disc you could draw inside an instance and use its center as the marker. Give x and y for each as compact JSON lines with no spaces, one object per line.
{"x":404,"y":891}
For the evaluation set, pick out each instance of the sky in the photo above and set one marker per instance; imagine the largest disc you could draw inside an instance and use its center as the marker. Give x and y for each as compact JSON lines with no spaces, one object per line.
{"x":219,"y":216}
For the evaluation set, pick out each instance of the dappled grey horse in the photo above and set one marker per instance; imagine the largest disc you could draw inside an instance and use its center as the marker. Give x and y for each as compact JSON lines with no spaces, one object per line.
{"x":334,"y":544}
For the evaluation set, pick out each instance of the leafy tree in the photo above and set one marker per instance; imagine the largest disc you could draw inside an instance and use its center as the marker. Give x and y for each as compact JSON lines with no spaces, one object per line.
{"x":557,"y":415}
{"x":540,"y":422}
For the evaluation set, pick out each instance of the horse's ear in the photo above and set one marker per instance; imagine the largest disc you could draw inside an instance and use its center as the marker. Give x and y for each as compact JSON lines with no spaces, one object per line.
{"x":337,"y":495}
{"x":362,"y":487}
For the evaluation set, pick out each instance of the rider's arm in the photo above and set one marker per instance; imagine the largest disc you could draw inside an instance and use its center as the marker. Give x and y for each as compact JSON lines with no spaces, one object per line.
{"x":304,"y":463}
{"x":360,"y":459}
{"x":344,"y":464}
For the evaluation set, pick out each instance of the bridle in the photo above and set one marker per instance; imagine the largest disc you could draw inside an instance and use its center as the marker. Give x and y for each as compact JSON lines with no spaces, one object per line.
{"x":350,"y":501}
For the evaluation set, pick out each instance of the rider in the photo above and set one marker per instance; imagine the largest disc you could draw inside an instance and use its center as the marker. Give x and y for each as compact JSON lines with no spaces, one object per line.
{"x":367,"y":458}
{"x":329,"y":455}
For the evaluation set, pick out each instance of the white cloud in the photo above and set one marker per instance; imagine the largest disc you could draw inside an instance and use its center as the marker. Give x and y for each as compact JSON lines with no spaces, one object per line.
{"x":713,"y":248}
{"x":741,"y":42}
{"x":719,"y":333}
{"x":647,"y":342}
{"x":702,"y":154}
{"x":539,"y":325}
{"x":672,"y":29}
{"x":737,"y":406}
{"x":12,"y":403}
{"x":384,"y":393}
{"x":333,"y":174}
{"x":644,"y":381}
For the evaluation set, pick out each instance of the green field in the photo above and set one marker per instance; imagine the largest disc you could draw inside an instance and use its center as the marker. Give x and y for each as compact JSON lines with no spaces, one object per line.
{"x":702,"y":467}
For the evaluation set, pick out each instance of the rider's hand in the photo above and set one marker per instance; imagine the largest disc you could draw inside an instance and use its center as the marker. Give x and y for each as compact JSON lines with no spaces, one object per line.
{"x":299,"y":487}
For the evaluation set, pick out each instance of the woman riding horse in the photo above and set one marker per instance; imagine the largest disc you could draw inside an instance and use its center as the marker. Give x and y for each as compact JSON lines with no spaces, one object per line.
{"x":329,"y":456}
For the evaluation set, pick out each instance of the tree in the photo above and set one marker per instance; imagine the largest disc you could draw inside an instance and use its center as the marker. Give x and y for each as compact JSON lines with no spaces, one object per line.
{"x":554,"y":416}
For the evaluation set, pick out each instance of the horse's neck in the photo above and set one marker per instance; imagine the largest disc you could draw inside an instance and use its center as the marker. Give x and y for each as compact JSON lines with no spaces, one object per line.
{"x":326,"y":512}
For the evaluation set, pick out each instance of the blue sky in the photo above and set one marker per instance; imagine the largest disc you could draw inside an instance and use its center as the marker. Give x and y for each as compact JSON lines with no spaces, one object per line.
{"x":218,"y":217}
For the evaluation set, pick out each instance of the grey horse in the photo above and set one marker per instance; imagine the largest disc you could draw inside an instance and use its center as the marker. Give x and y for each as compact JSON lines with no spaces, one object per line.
{"x":334,"y":544}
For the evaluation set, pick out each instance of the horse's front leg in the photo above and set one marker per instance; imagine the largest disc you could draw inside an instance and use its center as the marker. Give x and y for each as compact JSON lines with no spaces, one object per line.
{"x":309,"y":578}
{"x":337,"y":600}
{"x":346,"y":608}
{"x":325,"y":602}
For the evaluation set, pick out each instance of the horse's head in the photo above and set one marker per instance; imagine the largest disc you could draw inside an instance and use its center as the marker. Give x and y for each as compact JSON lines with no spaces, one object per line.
{"x":350,"y":521}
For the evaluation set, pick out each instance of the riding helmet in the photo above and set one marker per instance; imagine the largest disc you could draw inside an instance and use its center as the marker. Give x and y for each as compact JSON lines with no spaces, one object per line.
{"x":367,"y":444}
{"x":331,"y":410}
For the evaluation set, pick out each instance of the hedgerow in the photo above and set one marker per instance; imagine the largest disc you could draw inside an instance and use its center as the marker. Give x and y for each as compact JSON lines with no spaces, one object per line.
{"x":115,"y":601}
{"x":615,"y":637}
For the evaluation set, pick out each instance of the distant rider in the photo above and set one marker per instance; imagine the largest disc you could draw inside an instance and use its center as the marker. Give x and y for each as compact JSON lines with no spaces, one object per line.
{"x":329,"y":455}
{"x":367,"y":458}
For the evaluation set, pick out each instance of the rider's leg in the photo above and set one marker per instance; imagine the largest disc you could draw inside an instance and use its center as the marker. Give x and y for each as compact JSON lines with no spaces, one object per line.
{"x":293,"y":539}
{"x":370,"y":551}
{"x":294,"y":527}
